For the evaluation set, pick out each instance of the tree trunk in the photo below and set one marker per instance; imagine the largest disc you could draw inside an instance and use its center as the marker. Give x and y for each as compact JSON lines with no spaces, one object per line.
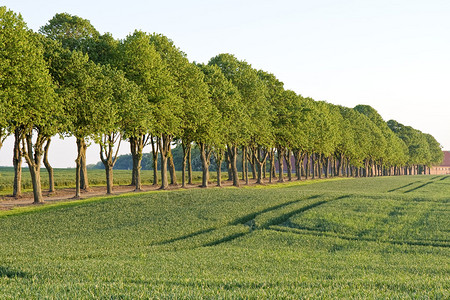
{"x":173,"y":175}
{"x":164,"y":143}
{"x":155,"y":147}
{"x":189,"y":164}
{"x":219,"y":155}
{"x":272,"y":164}
{"x":228,"y":161}
{"x":51,"y":181}
{"x":108,"y":157}
{"x":261,"y":162}
{"x":232,"y":156}
{"x":78,"y":170}
{"x":138,"y":182}
{"x":35,"y":172}
{"x":109,"y":179}
{"x":307,"y":171}
{"x":84,"y":175}
{"x":287,"y":158}
{"x":186,"y":148}
{"x":133,"y":153}
{"x":253,"y":164}
{"x":244,"y":161}
{"x":281,"y":152}
{"x":17,"y":163}
{"x":205,"y":155}
{"x":137,"y":145}
{"x":297,"y":156}
{"x":245,"y":165}
{"x":320,"y":166}
{"x":33,"y":156}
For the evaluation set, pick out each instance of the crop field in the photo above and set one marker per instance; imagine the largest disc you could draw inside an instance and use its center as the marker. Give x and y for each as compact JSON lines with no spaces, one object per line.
{"x":66,"y":178}
{"x":386,"y":237}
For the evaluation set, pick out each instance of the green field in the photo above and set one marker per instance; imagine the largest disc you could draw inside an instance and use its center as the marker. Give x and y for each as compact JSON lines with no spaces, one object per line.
{"x":351,"y":238}
{"x":66,"y":178}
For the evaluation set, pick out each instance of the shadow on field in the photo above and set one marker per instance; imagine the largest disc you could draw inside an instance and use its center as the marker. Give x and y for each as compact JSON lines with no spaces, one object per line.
{"x":7,"y":272}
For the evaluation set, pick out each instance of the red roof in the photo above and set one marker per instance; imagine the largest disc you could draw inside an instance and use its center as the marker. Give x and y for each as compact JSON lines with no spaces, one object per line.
{"x":446,"y":161}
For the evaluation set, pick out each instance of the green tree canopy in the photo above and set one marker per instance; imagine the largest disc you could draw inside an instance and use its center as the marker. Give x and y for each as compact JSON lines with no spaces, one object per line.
{"x":73,"y":32}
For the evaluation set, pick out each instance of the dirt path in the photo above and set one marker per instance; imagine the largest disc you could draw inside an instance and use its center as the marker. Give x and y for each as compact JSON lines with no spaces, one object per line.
{"x":8,"y":202}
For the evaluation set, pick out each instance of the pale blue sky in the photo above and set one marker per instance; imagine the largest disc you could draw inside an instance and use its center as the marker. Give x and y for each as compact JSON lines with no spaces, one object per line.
{"x":392,"y":55}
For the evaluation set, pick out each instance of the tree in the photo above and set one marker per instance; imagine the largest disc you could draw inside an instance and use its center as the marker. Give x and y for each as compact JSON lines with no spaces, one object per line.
{"x":254,"y":127}
{"x":76,"y":33}
{"x":28,"y":88}
{"x":143,"y":65}
{"x":189,"y":88}
{"x":226,"y":99}
{"x":80,"y":86}
{"x":436,"y":154}
{"x":416,"y":143}
{"x":73,"y":32}
{"x":119,"y":102}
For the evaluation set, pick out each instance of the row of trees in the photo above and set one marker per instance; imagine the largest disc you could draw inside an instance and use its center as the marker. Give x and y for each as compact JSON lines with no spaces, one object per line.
{"x":70,"y":80}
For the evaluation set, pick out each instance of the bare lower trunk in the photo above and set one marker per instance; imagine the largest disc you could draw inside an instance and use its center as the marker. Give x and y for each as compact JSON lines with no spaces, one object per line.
{"x":133,"y":151}
{"x":244,"y":162}
{"x":164,"y":177}
{"x":307,"y":166}
{"x":33,"y":156}
{"x":232,"y":156}
{"x":244,"y":165}
{"x":17,"y":163}
{"x":219,"y":155}
{"x":229,"y":171}
{"x":272,"y":165}
{"x":281,"y":152}
{"x":78,"y":170}
{"x":297,"y":164}
{"x":260,"y":162}
{"x":108,"y":157}
{"x":186,"y":147}
{"x":155,"y":146}
{"x":189,"y":161}
{"x":253,"y":165}
{"x":109,"y":179}
{"x":35,"y":172}
{"x":164,"y":145}
{"x":173,"y":175}
{"x":137,"y":147}
{"x":205,"y":155}
{"x":51,"y":181}
{"x":84,"y":182}
{"x":137,"y":161}
{"x":287,"y":158}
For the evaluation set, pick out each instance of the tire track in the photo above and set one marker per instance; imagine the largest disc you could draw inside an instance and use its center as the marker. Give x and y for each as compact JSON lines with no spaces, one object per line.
{"x":304,"y":230}
{"x":249,"y":221}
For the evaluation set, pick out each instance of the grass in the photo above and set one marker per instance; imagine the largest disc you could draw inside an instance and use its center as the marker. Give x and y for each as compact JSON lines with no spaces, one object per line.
{"x":359,"y":238}
{"x":65,"y":178}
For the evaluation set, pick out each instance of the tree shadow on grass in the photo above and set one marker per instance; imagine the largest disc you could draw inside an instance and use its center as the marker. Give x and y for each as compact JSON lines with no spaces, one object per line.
{"x":10,"y":273}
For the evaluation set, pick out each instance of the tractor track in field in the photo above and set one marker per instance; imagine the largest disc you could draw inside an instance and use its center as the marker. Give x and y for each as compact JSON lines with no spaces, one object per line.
{"x":310,"y":231}
{"x":432,"y":180}
{"x":249,"y":220}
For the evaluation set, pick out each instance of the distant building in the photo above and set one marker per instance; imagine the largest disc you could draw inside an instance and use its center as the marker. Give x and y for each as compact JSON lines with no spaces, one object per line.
{"x":444,"y":168}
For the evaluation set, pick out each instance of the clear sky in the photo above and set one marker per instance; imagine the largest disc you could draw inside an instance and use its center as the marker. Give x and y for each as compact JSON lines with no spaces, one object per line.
{"x":391,"y":54}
